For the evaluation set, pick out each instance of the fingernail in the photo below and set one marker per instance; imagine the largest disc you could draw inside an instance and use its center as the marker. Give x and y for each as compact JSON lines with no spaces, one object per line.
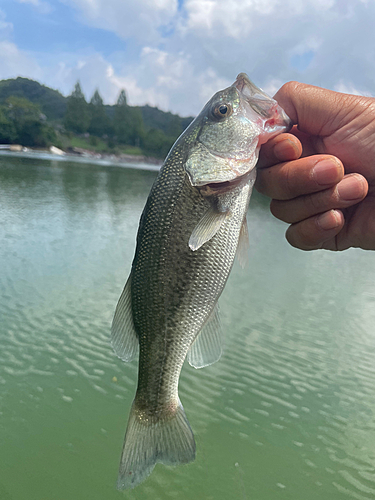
{"x":350,"y":188}
{"x":284,"y":149}
{"x":327,"y":172}
{"x":328,"y":220}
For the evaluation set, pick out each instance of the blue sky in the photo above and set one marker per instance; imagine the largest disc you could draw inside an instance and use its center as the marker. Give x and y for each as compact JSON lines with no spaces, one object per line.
{"x":176,"y":53}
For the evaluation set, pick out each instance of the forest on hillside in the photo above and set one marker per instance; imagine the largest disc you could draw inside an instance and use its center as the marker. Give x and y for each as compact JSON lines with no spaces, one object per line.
{"x":34,"y":115}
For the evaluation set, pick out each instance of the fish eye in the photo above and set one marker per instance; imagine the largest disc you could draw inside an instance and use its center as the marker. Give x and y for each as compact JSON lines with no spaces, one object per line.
{"x":221,"y":111}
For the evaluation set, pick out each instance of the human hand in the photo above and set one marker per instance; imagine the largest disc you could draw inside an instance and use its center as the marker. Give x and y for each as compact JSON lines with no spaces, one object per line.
{"x":328,"y":198}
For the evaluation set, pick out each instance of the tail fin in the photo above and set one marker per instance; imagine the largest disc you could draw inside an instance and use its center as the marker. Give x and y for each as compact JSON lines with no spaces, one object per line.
{"x":168,"y":440}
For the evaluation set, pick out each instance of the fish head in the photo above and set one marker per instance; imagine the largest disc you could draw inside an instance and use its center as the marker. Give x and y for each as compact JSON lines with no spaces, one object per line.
{"x":225,"y":138}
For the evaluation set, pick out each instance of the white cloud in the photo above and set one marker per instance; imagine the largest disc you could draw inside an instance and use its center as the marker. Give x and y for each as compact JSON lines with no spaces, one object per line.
{"x":237,"y":19}
{"x":6,"y":27}
{"x":317,"y":41}
{"x":272,"y":86}
{"x":350,"y":89}
{"x":95,"y":72}
{"x":141,"y":19}
{"x":225,"y":17}
{"x":177,"y":58}
{"x":90,"y":69}
{"x":14,"y":62}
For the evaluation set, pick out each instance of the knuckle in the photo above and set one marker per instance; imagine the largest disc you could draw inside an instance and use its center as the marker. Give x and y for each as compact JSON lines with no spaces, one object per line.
{"x":314,"y":203}
{"x":321,"y":201}
{"x":289,"y":183}
{"x":290,"y":87}
{"x":304,"y":236}
{"x":266,"y":156}
{"x":284,"y":210}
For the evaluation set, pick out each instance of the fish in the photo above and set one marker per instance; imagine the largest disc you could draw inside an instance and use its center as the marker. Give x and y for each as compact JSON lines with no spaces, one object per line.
{"x":191,"y":228}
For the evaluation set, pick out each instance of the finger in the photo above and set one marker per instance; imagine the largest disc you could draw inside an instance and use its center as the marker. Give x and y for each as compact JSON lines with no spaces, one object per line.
{"x":284,"y":147}
{"x":316,"y":232}
{"x":286,"y":181}
{"x":350,"y":190}
{"x":317,"y":111}
{"x":311,"y":144}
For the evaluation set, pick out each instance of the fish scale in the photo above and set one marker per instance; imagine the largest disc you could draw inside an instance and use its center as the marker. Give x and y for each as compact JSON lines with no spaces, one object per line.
{"x":189,"y":233}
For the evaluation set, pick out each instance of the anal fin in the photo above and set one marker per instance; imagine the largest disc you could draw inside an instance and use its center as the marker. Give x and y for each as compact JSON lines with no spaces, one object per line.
{"x":124,"y":339}
{"x":207,"y":347}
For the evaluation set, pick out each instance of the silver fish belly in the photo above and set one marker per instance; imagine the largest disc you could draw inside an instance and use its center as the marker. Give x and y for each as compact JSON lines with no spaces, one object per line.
{"x":187,"y":241}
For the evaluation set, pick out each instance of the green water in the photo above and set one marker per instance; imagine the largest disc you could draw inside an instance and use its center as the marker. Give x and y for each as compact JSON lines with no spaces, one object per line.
{"x":287,"y":413}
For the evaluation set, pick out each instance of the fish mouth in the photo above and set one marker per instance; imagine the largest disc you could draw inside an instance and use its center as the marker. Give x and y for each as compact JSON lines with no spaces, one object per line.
{"x":244,"y":85}
{"x":263,"y":104}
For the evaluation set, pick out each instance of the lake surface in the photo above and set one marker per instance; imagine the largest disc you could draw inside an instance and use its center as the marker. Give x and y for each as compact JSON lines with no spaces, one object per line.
{"x":287,"y":413}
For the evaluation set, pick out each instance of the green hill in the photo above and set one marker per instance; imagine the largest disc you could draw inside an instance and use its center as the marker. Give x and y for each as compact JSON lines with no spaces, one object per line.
{"x":168,"y":123}
{"x":53,"y":105}
{"x":35,"y":115}
{"x":51,"y":102}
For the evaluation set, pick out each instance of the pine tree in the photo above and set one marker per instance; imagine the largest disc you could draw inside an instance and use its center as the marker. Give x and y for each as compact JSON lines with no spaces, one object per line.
{"x":122,"y":120}
{"x":122,"y":101}
{"x":128,"y":122}
{"x":77,"y":118}
{"x":99,"y":121}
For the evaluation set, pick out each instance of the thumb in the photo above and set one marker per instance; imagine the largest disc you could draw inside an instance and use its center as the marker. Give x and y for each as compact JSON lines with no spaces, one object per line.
{"x":317,"y":111}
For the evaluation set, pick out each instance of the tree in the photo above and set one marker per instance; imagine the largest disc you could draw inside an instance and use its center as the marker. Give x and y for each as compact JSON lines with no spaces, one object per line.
{"x":77,"y":117}
{"x":172,"y":125}
{"x":122,"y":119}
{"x":128,"y":122}
{"x":50,"y":101}
{"x":8,"y":132}
{"x":156,"y":143}
{"x":29,"y":126}
{"x":137,"y":131}
{"x":99,"y":121}
{"x":122,"y":101}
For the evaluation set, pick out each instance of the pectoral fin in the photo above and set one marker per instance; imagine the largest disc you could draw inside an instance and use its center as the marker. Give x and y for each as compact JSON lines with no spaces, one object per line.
{"x":124,"y":339}
{"x":243,"y":245}
{"x":206,"y":348}
{"x":206,"y":228}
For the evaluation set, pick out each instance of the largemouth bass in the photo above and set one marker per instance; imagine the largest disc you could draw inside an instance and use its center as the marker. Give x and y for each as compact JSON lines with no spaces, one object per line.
{"x":191,"y":228}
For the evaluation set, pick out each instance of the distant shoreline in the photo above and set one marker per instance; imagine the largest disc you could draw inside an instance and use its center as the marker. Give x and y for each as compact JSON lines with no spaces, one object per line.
{"x":85,"y":156}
